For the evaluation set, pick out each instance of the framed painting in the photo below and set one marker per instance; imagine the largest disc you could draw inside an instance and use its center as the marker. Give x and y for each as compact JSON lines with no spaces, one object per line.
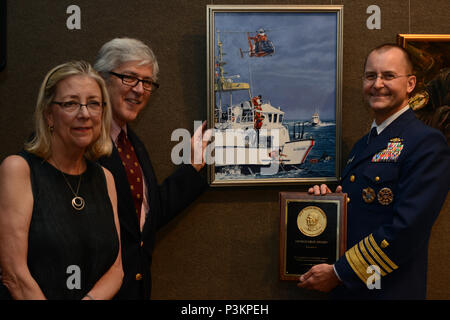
{"x":274,"y":77}
{"x":430,"y":54}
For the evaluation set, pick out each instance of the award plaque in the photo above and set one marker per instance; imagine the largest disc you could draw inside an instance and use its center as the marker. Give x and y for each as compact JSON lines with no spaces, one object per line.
{"x":312,"y":231}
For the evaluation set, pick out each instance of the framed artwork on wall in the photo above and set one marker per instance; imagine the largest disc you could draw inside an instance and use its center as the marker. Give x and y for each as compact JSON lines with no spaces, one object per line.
{"x":430,"y":54}
{"x":2,"y":34}
{"x":274,"y":77}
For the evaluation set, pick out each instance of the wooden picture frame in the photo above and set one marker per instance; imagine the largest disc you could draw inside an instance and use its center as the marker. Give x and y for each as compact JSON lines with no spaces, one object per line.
{"x":429,"y":52}
{"x":430,"y":100}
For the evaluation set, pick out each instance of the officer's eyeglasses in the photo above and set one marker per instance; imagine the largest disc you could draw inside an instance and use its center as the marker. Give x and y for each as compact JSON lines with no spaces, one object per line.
{"x":384,"y":76}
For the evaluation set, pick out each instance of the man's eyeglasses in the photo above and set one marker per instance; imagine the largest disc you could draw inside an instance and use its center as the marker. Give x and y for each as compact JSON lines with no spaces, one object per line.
{"x":94,"y":107}
{"x":384,"y":76}
{"x":131,"y":81}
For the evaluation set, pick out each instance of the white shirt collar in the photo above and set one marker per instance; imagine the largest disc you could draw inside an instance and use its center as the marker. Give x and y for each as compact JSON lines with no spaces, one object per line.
{"x":389,"y":120}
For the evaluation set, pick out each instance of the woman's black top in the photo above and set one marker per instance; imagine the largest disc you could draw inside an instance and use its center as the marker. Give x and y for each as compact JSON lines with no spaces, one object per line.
{"x":69,"y":250}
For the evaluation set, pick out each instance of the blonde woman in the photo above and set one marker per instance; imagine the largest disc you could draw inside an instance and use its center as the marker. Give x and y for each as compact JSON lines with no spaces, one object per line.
{"x":59,"y":230}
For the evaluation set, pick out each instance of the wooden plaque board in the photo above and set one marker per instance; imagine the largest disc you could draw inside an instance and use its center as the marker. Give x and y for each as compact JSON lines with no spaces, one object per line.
{"x":313,"y":230}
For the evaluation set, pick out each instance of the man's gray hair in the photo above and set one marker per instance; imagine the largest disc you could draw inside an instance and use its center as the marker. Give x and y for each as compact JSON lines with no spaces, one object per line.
{"x":121,"y":50}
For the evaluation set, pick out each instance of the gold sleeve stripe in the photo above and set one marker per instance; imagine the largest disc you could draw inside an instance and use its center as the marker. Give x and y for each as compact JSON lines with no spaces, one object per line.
{"x":376,"y":257}
{"x":363,"y":263}
{"x":354,"y":263}
{"x":381,"y":253}
{"x":366,"y":255}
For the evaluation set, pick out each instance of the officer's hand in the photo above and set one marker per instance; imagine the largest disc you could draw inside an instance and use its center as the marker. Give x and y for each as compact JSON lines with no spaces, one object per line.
{"x":320,"y":277}
{"x":322,"y":190}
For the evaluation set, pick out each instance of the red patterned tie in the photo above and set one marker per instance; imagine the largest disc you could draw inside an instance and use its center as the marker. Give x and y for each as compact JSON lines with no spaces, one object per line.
{"x":133,"y":169}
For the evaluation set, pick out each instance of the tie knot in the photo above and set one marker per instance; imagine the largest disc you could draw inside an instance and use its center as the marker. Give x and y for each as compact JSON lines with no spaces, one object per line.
{"x":373,"y":134}
{"x":121,"y":137}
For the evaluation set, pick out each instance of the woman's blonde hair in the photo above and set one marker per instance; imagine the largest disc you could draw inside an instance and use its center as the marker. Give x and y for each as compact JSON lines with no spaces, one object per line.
{"x":40,"y":144}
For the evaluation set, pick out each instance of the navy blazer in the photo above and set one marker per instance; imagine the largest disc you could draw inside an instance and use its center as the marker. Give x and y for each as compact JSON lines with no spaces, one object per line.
{"x":397,"y":185}
{"x":165,"y":202}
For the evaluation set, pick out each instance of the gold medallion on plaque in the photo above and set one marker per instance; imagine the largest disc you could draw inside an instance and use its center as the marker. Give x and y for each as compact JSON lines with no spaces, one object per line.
{"x":385,"y":196}
{"x":311,"y":221}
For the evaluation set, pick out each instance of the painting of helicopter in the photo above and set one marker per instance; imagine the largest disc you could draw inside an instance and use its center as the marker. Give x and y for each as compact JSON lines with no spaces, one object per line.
{"x":259,"y":45}
{"x":266,"y":104}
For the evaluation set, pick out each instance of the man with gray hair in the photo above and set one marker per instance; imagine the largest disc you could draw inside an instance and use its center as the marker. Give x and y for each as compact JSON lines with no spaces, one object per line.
{"x":130,"y":70}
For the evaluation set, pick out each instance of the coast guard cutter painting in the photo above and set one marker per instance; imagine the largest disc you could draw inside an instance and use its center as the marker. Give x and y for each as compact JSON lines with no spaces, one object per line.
{"x":272,"y":71}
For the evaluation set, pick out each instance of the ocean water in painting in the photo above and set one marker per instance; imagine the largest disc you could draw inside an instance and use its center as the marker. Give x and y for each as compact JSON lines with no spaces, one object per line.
{"x":320,"y":162}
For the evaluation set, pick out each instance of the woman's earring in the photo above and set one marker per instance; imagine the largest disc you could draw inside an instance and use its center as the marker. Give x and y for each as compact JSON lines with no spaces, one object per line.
{"x":50,"y":128}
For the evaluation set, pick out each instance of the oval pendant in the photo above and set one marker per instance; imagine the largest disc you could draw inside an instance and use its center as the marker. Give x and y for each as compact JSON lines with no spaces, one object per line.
{"x":78,"y":203}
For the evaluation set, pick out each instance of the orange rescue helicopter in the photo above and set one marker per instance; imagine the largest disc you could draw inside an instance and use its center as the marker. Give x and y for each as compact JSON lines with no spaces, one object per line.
{"x":259,"y":45}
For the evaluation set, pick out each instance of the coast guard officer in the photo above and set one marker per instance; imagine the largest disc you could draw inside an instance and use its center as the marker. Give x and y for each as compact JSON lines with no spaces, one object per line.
{"x":397,"y":178}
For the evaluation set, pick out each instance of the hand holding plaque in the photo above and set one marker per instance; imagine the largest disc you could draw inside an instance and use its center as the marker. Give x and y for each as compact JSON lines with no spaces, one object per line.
{"x":312,"y":231}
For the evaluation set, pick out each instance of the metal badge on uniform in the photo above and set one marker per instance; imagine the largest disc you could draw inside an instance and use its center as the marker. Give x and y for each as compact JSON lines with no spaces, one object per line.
{"x":368,"y":195}
{"x":391,"y":153}
{"x":385,"y":196}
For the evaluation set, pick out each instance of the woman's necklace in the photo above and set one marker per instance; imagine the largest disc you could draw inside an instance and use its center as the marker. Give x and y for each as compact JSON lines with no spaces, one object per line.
{"x":77,"y":201}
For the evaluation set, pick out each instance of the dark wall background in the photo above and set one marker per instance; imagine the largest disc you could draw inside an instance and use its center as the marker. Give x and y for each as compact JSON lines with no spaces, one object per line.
{"x":225,"y":245}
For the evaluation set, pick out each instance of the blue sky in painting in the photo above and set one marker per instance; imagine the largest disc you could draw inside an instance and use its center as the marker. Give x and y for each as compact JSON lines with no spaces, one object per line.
{"x":300,"y":76}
